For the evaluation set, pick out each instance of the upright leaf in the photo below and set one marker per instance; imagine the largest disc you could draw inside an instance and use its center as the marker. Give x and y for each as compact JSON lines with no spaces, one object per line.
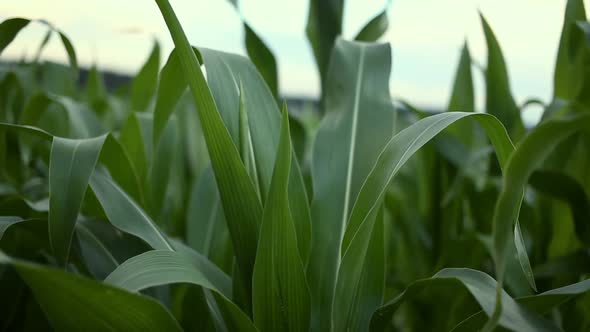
{"x":238,"y":195}
{"x":359,"y":121}
{"x":569,"y":73}
{"x":376,"y":27}
{"x":71,"y":165}
{"x":324,"y":25}
{"x":170,"y":88}
{"x":499,"y":100}
{"x":260,"y":54}
{"x":280,"y":299}
{"x":145,"y":82}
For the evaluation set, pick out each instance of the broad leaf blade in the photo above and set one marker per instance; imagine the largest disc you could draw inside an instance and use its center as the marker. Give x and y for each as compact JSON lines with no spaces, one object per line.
{"x":281,"y":299}
{"x":160,"y":267}
{"x":71,"y":165}
{"x":124,"y":213}
{"x":72,"y":302}
{"x":359,"y":121}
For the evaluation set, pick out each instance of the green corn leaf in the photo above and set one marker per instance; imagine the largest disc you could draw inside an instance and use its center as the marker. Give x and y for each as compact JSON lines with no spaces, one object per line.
{"x":356,"y":300}
{"x":224,"y":73}
{"x":162,"y":167}
{"x":241,"y":206}
{"x":117,"y":161}
{"x":71,"y":165}
{"x":204,"y":213}
{"x":262,"y":58}
{"x":29,"y":130}
{"x":541,"y":303}
{"x":238,"y":195}
{"x":170,"y":88}
{"x":324,"y":25}
{"x":70,"y":52}
{"x":568,"y":189}
{"x":280,"y":299}
{"x":9,"y":29}
{"x":499,"y":100}
{"x":531,"y":152}
{"x":99,"y":260}
{"x":260,"y":55}
{"x":132,"y":140}
{"x":395,"y":154}
{"x":569,"y":74}
{"x":462,"y":97}
{"x":43,"y":45}
{"x":483,"y":289}
{"x":73,"y":302}
{"x":358,"y":123}
{"x":146,"y":81}
{"x":82,"y":123}
{"x":376,"y":27}
{"x":124,"y":213}
{"x":160,"y":267}
{"x":7,"y":221}
{"x":585,"y":27}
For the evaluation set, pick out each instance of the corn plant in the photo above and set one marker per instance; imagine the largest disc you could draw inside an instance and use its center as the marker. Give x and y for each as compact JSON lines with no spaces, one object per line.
{"x":193,"y":199}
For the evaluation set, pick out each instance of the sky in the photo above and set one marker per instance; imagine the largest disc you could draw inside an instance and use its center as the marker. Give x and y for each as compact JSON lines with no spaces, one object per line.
{"x":426,"y":37}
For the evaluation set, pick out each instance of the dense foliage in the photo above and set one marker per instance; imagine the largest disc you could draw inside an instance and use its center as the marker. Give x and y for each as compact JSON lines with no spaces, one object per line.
{"x":189,"y":199}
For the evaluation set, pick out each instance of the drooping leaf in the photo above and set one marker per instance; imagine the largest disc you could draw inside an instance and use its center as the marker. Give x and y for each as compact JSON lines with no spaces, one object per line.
{"x":7,"y":221}
{"x":540,"y":303}
{"x":124,"y":213}
{"x":395,"y":154}
{"x":482,"y":287}
{"x":531,"y":152}
{"x":72,"y":302}
{"x":160,"y":267}
{"x":9,"y":29}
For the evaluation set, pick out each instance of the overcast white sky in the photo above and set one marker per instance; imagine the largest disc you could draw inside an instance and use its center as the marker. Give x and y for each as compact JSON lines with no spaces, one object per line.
{"x":426,"y":36}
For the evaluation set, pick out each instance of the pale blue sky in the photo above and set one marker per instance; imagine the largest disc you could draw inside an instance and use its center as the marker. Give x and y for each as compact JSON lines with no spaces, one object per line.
{"x":426,"y":36}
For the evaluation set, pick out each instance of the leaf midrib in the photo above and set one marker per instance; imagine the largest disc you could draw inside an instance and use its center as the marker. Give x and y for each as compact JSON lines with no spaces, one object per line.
{"x":353,"y":139}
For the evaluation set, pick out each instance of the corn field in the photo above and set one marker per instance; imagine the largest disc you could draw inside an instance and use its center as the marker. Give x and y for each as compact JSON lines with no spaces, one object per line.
{"x":192,"y":199}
